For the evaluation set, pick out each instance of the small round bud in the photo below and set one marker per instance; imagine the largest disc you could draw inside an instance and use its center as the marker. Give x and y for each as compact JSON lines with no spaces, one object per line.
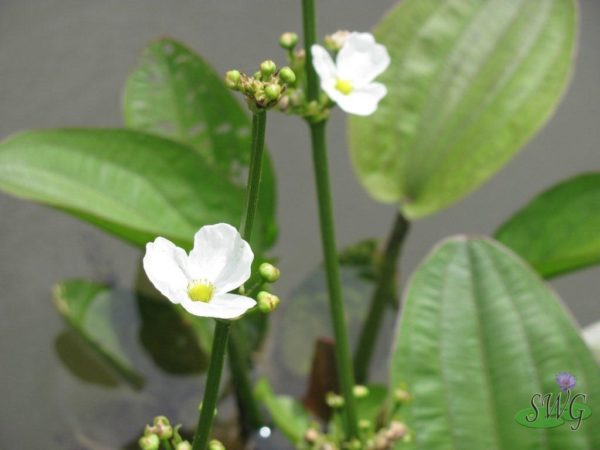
{"x":267,"y":68}
{"x":402,"y":396}
{"x":288,"y":40}
{"x":311,"y":436}
{"x":300,"y":55}
{"x":273,"y":91}
{"x":215,"y":445}
{"x":162,"y":428}
{"x":287,"y":75}
{"x":257,"y":75}
{"x":381,"y":443}
{"x":365,"y":424}
{"x":149,"y":442}
{"x":267,"y":302}
{"x":396,"y":430}
{"x":185,"y":445}
{"x":232,"y":79}
{"x":336,"y":41}
{"x":333,"y":400}
{"x":269,"y":272}
{"x":360,"y":391}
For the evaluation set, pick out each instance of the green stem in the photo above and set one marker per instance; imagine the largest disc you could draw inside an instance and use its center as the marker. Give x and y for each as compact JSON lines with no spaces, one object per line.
{"x":213,"y":380}
{"x":259,"y":124}
{"x":238,"y":354}
{"x":220,"y":340}
{"x":320,"y":163}
{"x":166,"y":444}
{"x":383,"y":291}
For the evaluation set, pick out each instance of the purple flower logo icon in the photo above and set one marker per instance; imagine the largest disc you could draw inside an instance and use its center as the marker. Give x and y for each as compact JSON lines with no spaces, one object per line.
{"x":566,"y":381}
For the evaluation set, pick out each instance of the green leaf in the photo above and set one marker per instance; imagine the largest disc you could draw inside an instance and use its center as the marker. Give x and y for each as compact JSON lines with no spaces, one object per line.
{"x":469,"y":83}
{"x":479,"y":335}
{"x":289,"y":415}
{"x":558,"y":231}
{"x":87,"y":308}
{"x":132,"y":184}
{"x":174,"y":93}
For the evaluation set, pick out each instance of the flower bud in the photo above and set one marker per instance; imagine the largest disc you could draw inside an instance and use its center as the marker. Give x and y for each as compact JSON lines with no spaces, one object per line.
{"x":267,"y":302}
{"x":232,"y":79}
{"x":185,"y":445}
{"x":215,"y":445}
{"x":269,"y":272}
{"x":402,"y":396}
{"x":267,"y":68}
{"x":288,"y":40}
{"x":273,"y":91}
{"x":360,"y":391}
{"x":396,"y":430}
{"x":149,"y":442}
{"x":287,"y":75}
{"x":257,"y":75}
{"x":162,"y":428}
{"x":364,"y":424}
{"x":333,"y":400}
{"x":335,"y":41}
{"x":311,"y":436}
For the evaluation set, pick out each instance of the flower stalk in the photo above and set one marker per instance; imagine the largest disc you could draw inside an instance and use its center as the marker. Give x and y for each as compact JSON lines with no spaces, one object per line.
{"x":381,"y":295}
{"x":320,"y":162}
{"x":221,"y":341}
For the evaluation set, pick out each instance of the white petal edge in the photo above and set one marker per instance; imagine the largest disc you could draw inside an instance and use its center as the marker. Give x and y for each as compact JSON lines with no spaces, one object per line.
{"x":222,"y":306}
{"x":323,"y":64}
{"x":361,"y":59}
{"x":165,"y":266}
{"x":221,"y":256}
{"x":364,"y":101}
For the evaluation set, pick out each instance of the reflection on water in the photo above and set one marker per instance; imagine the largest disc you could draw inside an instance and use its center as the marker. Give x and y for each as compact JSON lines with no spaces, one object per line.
{"x":105,"y":410}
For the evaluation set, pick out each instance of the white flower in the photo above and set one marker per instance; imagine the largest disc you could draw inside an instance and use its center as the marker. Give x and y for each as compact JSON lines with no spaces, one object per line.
{"x":349,"y":81}
{"x":219,"y":262}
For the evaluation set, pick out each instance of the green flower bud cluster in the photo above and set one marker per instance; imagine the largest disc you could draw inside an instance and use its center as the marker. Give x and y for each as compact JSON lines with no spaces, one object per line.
{"x":265,"y":88}
{"x":161,"y":431}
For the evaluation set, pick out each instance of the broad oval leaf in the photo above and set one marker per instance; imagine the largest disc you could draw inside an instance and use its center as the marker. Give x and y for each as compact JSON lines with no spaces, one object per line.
{"x":558,"y":231}
{"x":174,"y":93}
{"x":87,"y":308}
{"x":470,"y":82}
{"x":132,"y":184}
{"x":479,"y":335}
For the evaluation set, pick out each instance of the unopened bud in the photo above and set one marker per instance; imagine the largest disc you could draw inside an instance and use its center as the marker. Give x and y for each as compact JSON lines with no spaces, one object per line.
{"x":269,"y":272}
{"x":381,"y":442}
{"x":288,"y":40}
{"x":365,"y":424}
{"x":333,"y":400}
{"x":287,"y":75}
{"x":232,"y":79}
{"x":311,"y":436}
{"x":273,"y":91}
{"x":215,"y":445}
{"x":267,"y":302}
{"x":257,"y":75}
{"x":402,"y":396}
{"x":335,"y":41}
{"x":267,"y":68}
{"x":149,"y":442}
{"x":360,"y":391}
{"x":162,"y":428}
{"x":397,"y":430}
{"x":300,"y":55}
{"x":185,"y":445}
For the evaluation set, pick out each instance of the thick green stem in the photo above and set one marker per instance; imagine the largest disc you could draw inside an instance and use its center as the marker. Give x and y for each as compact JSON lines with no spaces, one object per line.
{"x":381,"y":296}
{"x":238,"y":359}
{"x":213,"y":380}
{"x":238,"y":354}
{"x":259,"y":124}
{"x":321,"y":169}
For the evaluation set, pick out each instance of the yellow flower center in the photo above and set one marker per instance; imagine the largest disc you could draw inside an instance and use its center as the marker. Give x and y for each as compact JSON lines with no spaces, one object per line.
{"x":200,"y":291}
{"x":344,"y":86}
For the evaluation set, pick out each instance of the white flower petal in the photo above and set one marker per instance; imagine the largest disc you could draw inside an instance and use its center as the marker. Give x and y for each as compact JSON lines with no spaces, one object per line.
{"x":222,"y":306}
{"x":221,"y":256}
{"x":323,"y":64}
{"x":364,"y":101}
{"x":165,"y":266}
{"x":361,"y":59}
